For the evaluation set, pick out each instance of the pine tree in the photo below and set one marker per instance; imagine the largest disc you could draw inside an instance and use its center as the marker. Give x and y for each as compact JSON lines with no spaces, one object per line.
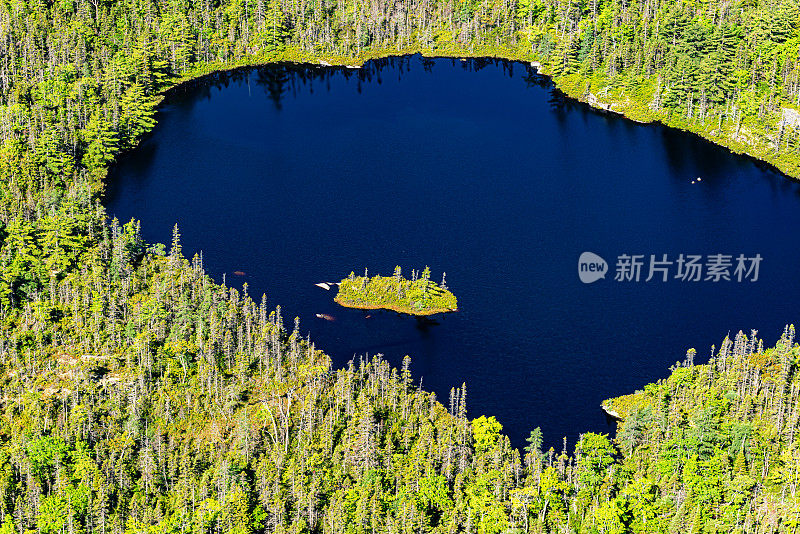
{"x":101,"y":144}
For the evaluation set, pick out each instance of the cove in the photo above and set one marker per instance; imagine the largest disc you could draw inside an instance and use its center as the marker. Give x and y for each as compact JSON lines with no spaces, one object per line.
{"x":295,"y":175}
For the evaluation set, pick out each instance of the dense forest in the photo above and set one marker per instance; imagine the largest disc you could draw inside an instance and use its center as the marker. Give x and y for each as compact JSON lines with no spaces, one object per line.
{"x":139,"y":395}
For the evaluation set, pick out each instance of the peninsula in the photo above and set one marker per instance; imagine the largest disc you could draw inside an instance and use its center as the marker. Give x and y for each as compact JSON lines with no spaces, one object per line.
{"x":417,"y":296}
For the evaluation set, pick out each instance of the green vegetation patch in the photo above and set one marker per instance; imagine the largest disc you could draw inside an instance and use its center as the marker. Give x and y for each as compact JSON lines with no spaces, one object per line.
{"x":418,"y":296}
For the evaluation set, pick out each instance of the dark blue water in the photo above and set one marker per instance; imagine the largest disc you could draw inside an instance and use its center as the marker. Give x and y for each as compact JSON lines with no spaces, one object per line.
{"x":478,"y":168}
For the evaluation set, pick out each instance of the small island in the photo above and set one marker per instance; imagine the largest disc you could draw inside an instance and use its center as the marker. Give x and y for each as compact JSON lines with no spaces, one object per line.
{"x":418,"y":296}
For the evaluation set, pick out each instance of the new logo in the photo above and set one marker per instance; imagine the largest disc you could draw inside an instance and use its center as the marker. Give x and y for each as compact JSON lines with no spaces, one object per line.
{"x":591,"y":267}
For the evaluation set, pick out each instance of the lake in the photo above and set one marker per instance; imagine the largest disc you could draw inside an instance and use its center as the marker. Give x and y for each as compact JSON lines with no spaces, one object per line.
{"x":298,"y":175}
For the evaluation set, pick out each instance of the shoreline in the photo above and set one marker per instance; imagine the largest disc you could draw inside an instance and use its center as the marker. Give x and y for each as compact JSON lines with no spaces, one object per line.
{"x":301,"y":58}
{"x":611,"y":413}
{"x":389,"y":307}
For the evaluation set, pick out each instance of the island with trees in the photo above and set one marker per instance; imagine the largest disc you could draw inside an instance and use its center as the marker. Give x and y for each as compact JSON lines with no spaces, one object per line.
{"x":418,"y":296}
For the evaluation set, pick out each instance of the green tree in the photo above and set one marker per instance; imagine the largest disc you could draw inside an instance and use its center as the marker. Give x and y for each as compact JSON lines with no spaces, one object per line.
{"x":595,"y":454}
{"x":101,"y":144}
{"x":486,"y":431}
{"x":138,"y":110}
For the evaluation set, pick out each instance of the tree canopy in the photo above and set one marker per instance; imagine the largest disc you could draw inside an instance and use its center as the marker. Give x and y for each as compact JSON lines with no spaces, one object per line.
{"x":139,"y":395}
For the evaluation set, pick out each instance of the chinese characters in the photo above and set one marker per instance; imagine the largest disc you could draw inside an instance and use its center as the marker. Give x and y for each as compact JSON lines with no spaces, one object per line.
{"x":687,"y":268}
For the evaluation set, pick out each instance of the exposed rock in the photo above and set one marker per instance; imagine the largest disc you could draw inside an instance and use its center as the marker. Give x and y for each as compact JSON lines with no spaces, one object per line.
{"x":593,"y":101}
{"x":790,"y":117}
{"x":611,"y":413}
